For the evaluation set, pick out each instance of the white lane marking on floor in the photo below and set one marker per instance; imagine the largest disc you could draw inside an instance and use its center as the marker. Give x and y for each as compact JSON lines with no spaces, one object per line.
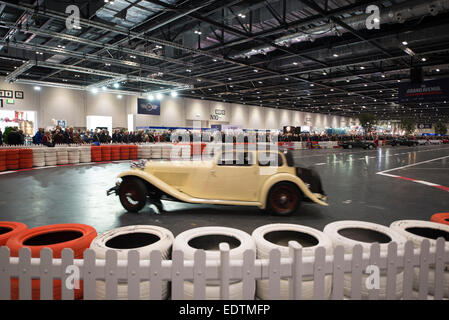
{"x":413,"y":164}
{"x":320,"y":164}
{"x":427,"y":183}
{"x":387,"y":175}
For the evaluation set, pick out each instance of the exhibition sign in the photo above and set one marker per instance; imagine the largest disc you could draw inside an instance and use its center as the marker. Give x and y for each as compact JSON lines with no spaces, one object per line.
{"x":149,"y":107}
{"x":427,"y":91}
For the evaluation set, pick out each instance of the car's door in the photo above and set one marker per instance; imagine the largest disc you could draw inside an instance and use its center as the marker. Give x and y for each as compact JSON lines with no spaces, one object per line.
{"x":234,"y":176}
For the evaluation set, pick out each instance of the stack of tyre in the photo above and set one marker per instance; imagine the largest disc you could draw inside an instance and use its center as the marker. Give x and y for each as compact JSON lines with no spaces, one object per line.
{"x":85,"y":154}
{"x":115,"y":152}
{"x":166,"y":151}
{"x":156,"y":151}
{"x":62,"y":156}
{"x":351,"y":233}
{"x":25,"y":158}
{"x":39,"y":157}
{"x":105,"y":153}
{"x":12,"y":159}
{"x":124,"y":152}
{"x":144,"y":151}
{"x":74,"y":155}
{"x":50,"y":157}
{"x":95,"y":153}
{"x":418,"y":231}
{"x":133,"y":150}
{"x":278,"y":236}
{"x":208,"y":239}
{"x":2,"y":160}
{"x":144,"y":239}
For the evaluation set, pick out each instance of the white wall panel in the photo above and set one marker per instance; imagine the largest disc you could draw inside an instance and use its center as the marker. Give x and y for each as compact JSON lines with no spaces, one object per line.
{"x":239,"y":115}
{"x":271,"y":119}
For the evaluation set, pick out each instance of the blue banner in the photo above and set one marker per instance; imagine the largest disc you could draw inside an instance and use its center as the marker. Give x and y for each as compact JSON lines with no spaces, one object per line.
{"x":148,"y":107}
{"x":427,"y":91}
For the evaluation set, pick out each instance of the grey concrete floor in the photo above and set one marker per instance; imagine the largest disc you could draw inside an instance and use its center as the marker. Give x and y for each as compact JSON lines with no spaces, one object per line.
{"x":356,"y":192}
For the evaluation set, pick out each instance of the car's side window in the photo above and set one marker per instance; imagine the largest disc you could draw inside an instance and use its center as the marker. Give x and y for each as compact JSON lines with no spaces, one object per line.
{"x":269,"y":160}
{"x":240,"y":159}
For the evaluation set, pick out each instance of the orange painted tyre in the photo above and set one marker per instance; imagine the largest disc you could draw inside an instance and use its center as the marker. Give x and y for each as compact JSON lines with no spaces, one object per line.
{"x":440,"y":218}
{"x":105,"y":153}
{"x":124,"y":152}
{"x":9,"y":229}
{"x":25,"y":164}
{"x":56,"y":237}
{"x":12,"y":154}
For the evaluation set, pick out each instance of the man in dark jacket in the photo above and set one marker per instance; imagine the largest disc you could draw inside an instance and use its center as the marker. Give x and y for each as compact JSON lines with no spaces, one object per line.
{"x":1,"y":137}
{"x":14,"y":137}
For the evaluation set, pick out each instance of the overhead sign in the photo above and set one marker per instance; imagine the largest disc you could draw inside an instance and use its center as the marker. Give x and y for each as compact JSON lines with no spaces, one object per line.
{"x":428,"y":91}
{"x":148,"y":107}
{"x":424,"y":126}
{"x":218,"y":114}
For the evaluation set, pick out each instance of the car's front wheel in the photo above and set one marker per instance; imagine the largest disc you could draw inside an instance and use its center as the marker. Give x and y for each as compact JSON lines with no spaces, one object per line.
{"x":133,"y":194}
{"x":284,"y":199}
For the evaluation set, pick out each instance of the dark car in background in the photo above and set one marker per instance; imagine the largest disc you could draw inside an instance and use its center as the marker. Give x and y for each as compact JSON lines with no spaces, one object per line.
{"x":404,"y":142}
{"x":358,"y":144}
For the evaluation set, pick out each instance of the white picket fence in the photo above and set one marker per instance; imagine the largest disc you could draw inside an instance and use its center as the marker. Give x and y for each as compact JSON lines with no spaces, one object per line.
{"x":248,"y":270}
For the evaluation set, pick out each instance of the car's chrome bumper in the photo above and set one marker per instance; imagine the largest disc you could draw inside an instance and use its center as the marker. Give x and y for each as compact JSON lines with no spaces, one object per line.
{"x":321,"y":197}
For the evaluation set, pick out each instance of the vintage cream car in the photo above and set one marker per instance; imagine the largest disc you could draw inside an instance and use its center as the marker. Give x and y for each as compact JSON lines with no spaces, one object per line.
{"x":265,"y":179}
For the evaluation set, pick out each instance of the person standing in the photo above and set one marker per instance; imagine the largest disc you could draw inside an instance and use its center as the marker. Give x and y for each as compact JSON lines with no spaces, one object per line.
{"x":1,"y":137}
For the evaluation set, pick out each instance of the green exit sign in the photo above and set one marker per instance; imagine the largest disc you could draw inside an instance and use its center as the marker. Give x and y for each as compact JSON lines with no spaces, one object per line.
{"x":10,"y":101}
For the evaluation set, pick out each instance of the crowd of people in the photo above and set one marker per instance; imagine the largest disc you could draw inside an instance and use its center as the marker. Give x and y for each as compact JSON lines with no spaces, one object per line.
{"x":58,"y":135}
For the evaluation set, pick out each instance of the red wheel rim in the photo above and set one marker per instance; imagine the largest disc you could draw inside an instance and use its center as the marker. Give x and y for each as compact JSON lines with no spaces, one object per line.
{"x":131,"y":195}
{"x":283,"y":199}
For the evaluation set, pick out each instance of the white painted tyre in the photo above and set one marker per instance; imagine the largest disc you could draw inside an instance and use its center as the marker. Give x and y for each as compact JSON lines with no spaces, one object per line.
{"x":350,"y":233}
{"x":142,"y":238}
{"x":277,"y":236}
{"x":213,"y":292}
{"x":417,"y":231}
{"x":208,"y":239}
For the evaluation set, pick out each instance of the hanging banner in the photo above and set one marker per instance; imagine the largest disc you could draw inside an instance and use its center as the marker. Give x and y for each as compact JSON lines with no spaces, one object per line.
{"x":428,"y":91}
{"x":149,"y":107}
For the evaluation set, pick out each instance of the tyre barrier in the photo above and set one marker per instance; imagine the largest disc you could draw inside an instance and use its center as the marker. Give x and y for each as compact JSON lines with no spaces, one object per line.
{"x":9,"y":229}
{"x":144,"y":152}
{"x":115,"y":153}
{"x":56,"y":237}
{"x":74,"y":155}
{"x":2,"y":160}
{"x":277,"y":236}
{"x":105,"y":153}
{"x":208,"y":239}
{"x":25,"y":158}
{"x":95,"y":153}
{"x":85,"y":154}
{"x":156,"y":151}
{"x":124,"y":152}
{"x":441,"y":218}
{"x":50,"y":157}
{"x":133,"y":150}
{"x":350,"y":233}
{"x":38,"y":157}
{"x":142,"y":238}
{"x":12,"y":159}
{"x":417,"y":231}
{"x":62,"y":155}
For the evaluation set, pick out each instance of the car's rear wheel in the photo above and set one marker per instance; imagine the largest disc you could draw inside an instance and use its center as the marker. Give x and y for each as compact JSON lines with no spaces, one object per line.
{"x":371,"y":147}
{"x":284,"y":199}
{"x":133,"y":194}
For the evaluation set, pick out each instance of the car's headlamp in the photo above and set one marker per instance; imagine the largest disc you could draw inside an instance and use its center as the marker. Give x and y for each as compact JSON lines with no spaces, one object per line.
{"x":139,"y":164}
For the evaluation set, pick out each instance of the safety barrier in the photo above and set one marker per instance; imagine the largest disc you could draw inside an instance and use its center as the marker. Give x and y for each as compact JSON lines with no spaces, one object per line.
{"x":225,"y":270}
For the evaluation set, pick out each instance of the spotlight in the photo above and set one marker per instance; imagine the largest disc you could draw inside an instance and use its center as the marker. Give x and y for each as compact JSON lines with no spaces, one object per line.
{"x":119,"y":96}
{"x":94,"y":90}
{"x":37,"y":88}
{"x":150,"y":97}
{"x":159,"y":96}
{"x":116,"y":85}
{"x":103,"y":88}
{"x":174,"y":94}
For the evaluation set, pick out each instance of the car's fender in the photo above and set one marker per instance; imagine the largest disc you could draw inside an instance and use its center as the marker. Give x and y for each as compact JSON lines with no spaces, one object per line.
{"x":281,"y":177}
{"x":156,"y":182}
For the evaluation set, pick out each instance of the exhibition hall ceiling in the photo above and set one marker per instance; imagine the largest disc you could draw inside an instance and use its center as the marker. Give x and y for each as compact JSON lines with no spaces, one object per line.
{"x":340,"y":57}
